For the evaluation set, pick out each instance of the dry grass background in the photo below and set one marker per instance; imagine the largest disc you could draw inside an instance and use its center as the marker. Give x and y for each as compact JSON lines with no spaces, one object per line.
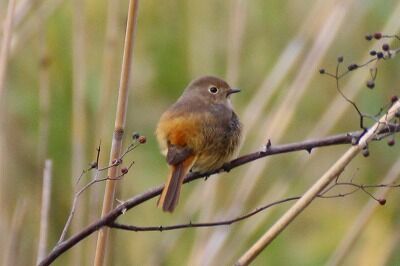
{"x":59,"y":100}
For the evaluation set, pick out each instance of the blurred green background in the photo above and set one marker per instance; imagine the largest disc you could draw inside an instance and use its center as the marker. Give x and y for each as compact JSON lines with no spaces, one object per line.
{"x":59,"y":101}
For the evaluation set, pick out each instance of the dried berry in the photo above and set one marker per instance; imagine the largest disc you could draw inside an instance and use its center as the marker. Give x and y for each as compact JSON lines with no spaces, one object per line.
{"x":340,"y":59}
{"x":394,"y":99}
{"x":93,"y":165}
{"x":368,"y":37}
{"x":377,"y":35}
{"x":385,"y":47}
{"x":142,"y":139}
{"x":370,"y":84}
{"x":116,"y":161}
{"x":391,"y":142}
{"x":352,"y":67}
{"x":322,"y":71}
{"x":382,"y":201}
{"x":135,"y":135}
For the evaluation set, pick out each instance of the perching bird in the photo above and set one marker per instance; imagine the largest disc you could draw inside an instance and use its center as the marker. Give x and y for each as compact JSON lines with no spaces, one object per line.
{"x":200,"y":132}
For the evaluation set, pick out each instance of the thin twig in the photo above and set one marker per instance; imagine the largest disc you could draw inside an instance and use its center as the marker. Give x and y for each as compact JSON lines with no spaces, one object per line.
{"x":356,"y":187}
{"x":314,"y":190}
{"x":193,"y":225}
{"x":359,"y":224}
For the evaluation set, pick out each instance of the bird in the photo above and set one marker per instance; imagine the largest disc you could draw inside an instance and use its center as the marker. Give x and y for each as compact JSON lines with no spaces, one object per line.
{"x":200,"y":132}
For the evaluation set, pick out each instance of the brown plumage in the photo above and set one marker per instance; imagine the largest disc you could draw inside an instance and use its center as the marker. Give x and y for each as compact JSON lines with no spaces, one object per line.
{"x":200,"y":132}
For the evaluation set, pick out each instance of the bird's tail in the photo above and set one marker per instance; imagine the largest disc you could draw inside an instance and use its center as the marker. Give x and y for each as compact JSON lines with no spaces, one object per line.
{"x":170,"y":195}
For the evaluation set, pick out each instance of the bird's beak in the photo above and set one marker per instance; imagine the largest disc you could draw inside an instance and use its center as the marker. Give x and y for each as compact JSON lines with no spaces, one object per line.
{"x":232,"y":91}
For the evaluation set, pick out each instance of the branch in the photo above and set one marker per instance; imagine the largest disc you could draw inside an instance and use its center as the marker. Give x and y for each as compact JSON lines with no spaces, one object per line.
{"x":268,"y":150}
{"x":356,"y":187}
{"x":333,"y":172}
{"x":192,"y":225}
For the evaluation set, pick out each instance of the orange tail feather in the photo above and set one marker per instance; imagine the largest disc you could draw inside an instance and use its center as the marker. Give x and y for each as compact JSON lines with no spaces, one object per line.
{"x":170,"y":195}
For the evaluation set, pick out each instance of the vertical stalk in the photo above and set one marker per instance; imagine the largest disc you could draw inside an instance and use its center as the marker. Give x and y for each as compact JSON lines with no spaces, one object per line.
{"x":44,"y":212}
{"x":78,"y":138}
{"x":44,"y":98}
{"x":109,"y":64}
{"x":4,"y":52}
{"x":119,"y":127}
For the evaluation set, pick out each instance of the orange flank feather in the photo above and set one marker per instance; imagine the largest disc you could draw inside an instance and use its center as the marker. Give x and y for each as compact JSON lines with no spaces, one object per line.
{"x":179,"y":131}
{"x":176,"y":132}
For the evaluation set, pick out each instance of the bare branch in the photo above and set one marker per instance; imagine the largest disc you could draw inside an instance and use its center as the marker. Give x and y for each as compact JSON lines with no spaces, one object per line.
{"x":324,"y":181}
{"x":268,"y":150}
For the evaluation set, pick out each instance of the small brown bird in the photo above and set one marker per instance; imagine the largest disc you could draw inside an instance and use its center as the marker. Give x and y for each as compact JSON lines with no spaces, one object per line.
{"x":199,"y":132}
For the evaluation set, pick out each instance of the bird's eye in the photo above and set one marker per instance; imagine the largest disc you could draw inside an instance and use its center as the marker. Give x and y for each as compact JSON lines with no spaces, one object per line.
{"x":213,"y":90}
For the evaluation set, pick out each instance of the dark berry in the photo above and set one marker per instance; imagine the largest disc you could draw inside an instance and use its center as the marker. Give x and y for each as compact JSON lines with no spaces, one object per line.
{"x":322,"y":71}
{"x":93,"y":165}
{"x":352,"y":67}
{"x":377,"y":35}
{"x":340,"y":59}
{"x":394,"y":99}
{"x":368,"y":37}
{"x":135,"y":135}
{"x":385,"y":47}
{"x":373,"y":52}
{"x":116,"y":161}
{"x":370,"y":84}
{"x":365,"y":152}
{"x":379,"y":55}
{"x":391,"y":142}
{"x":382,"y":201}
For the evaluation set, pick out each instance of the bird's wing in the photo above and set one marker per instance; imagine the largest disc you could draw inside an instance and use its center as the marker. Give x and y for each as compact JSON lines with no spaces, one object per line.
{"x":177,"y":155}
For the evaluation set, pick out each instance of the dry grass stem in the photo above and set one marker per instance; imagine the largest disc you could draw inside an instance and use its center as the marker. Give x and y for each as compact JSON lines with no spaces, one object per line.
{"x":44,"y":99}
{"x":119,"y":127}
{"x":392,"y":247}
{"x":14,"y":233}
{"x":5,"y":45}
{"x":336,"y":169}
{"x":44,"y":212}
{"x":79,"y":123}
{"x":110,"y":54}
{"x":33,"y":25}
{"x":235,"y":39}
{"x":4,"y":52}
